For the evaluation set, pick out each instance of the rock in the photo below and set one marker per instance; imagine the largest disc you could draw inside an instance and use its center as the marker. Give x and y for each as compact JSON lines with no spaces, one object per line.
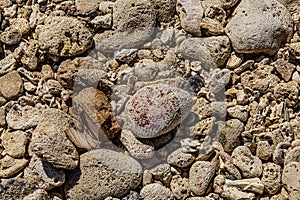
{"x":104,"y":21}
{"x":271,"y":177}
{"x":238,"y":112}
{"x":259,"y":27}
{"x":21,"y":24}
{"x":23,"y":117}
{"x":287,"y":91}
{"x":292,"y":155}
{"x":11,"y":85}
{"x":132,"y":196}
{"x":85,"y":6}
{"x":212,"y":52}
{"x":250,"y":166}
{"x":212,"y":26}
{"x":180,"y":159}
{"x":115,"y":174}
{"x":126,"y":55}
{"x":162,"y":173}
{"x":290,"y":179}
{"x":64,"y":36}
{"x":10,"y":166}
{"x":39,"y":194}
{"x":11,"y":36}
{"x":137,"y":148}
{"x":201,"y":174}
{"x":180,"y":187}
{"x":2,"y":117}
{"x":250,"y":185}
{"x":284,"y":68}
{"x":263,"y":150}
{"x":165,"y":9}
{"x":218,"y":79}
{"x":49,"y":140}
{"x":156,"y":191}
{"x":130,"y":14}
{"x":7,"y":64}
{"x":16,"y":188}
{"x":15,"y":143}
{"x":45,"y":175}
{"x":147,"y":177}
{"x":190,"y":13}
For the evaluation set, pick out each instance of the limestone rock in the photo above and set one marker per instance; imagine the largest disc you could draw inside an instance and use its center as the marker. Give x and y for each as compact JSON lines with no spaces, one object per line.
{"x":180,"y":187}
{"x":11,"y":85}
{"x":85,"y":6}
{"x":156,"y":191}
{"x":287,"y":91}
{"x":271,"y":177}
{"x":180,"y":159}
{"x":15,"y":143}
{"x":10,"y":166}
{"x":290,"y":179}
{"x":162,"y":173}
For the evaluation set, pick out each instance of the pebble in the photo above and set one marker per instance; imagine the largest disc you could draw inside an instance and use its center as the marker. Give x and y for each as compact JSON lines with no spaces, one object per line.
{"x":264,"y":150}
{"x":10,"y":166}
{"x":162,"y":173}
{"x":7,"y":64}
{"x":46,"y":176}
{"x":104,"y":21}
{"x":21,"y":24}
{"x":218,"y":79}
{"x":23,"y":117}
{"x":289,"y":92}
{"x":250,"y":166}
{"x":239,"y":112}
{"x":156,"y":191}
{"x":284,"y":68}
{"x":157,"y":109}
{"x":248,"y":185}
{"x":201,"y":174}
{"x":259,"y":27}
{"x":85,"y":6}
{"x":190,"y":13}
{"x":290,"y":179}
{"x":212,"y":52}
{"x":11,"y":85}
{"x":180,"y":159}
{"x":49,"y":140}
{"x":271,"y":177}
{"x":115,"y":174}
{"x":126,"y":55}
{"x":2,"y":117}
{"x":293,"y":155}
{"x":180,"y":187}
{"x":15,"y":143}
{"x":11,"y":36}
{"x":234,"y":60}
{"x":64,"y":36}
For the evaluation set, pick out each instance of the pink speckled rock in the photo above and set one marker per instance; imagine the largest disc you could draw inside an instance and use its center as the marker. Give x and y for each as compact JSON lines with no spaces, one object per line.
{"x":157,"y":109}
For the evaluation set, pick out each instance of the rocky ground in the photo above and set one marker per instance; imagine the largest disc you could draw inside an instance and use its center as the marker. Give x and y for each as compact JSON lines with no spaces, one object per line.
{"x":150,"y":99}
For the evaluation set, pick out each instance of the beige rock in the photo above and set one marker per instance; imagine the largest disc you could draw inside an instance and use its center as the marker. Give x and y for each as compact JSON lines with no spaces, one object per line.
{"x":271,"y":177}
{"x":165,"y":9}
{"x":10,"y":166}
{"x":180,"y":187}
{"x":162,"y":173}
{"x":15,"y":143}
{"x":238,"y":112}
{"x":180,"y":159}
{"x":21,"y":24}
{"x":249,"y":185}
{"x":7,"y":64}
{"x":263,"y":150}
{"x":287,"y":91}
{"x":293,"y":155}
{"x":290,"y":179}
{"x":284,"y":68}
{"x":11,"y":36}
{"x":2,"y":117}
{"x":39,"y":194}
{"x":156,"y":191}
{"x":87,"y":5}
{"x":11,"y":85}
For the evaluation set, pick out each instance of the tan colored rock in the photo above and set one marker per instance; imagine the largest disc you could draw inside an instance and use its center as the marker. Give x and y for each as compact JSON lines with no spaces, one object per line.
{"x":39,"y":194}
{"x":11,"y":85}
{"x":87,"y":5}
{"x":11,"y":36}
{"x":156,"y":191}
{"x":287,"y":91}
{"x":284,"y":68}
{"x":162,"y":173}
{"x":290,"y":179}
{"x":271,"y":177}
{"x":10,"y":166}
{"x":263,"y":150}
{"x":180,"y":159}
{"x":15,"y":143}
{"x":180,"y":187}
{"x":2,"y":117}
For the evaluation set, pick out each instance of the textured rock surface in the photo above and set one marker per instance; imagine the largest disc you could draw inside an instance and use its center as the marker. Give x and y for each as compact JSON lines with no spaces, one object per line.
{"x":156,"y":191}
{"x":115,"y":175}
{"x":259,"y":27}
{"x":180,"y":187}
{"x":10,"y":166}
{"x":157,"y":109}
{"x":271,"y":177}
{"x":16,"y":188}
{"x":15,"y":143}
{"x":86,"y":6}
{"x":180,"y":158}
{"x":11,"y":85}
{"x":289,"y":177}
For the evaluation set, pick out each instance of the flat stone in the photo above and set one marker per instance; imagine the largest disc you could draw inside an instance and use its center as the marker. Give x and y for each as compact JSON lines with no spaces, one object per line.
{"x":284,"y":68}
{"x":15,"y":143}
{"x":11,"y":85}
{"x":180,"y":159}
{"x":238,"y":112}
{"x":201,"y":174}
{"x":156,"y":191}
{"x":271,"y":177}
{"x":38,"y":194}
{"x":115,"y":174}
{"x":49,"y":140}
{"x":212,"y":52}
{"x":259,"y":27}
{"x":45,"y":175}
{"x":190,"y":13}
{"x":64,"y":36}
{"x":290,"y":179}
{"x":10,"y":166}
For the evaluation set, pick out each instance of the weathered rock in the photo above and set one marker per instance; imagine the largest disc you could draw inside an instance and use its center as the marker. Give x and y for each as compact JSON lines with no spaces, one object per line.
{"x":284,"y":68}
{"x":162,"y":173}
{"x":23,"y":117}
{"x":218,"y":79}
{"x":292,"y":155}
{"x":45,"y":175}
{"x":263,"y":150}
{"x":156,"y":191}
{"x":15,"y":143}
{"x":190,"y":13}
{"x":157,"y":109}
{"x":11,"y":85}
{"x":165,"y":9}
{"x":85,"y":6}
{"x":2,"y":117}
{"x":250,"y":166}
{"x":180,"y":187}
{"x":290,"y":178}
{"x":21,"y":24}
{"x":259,"y":27}
{"x":64,"y":36}
{"x":212,"y":51}
{"x":271,"y":177}
{"x":180,"y":159}
{"x":11,"y":36}
{"x":201,"y":174}
{"x":287,"y":91}
{"x":249,"y":185}
{"x":10,"y":166}
{"x":115,"y":174}
{"x":49,"y":140}
{"x":38,"y":194}
{"x":7,"y":64}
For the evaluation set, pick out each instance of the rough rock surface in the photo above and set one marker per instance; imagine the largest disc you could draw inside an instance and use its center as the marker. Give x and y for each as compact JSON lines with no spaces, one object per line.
{"x":11,"y":85}
{"x":289,"y":177}
{"x":15,"y":143}
{"x":115,"y":175}
{"x":156,"y":191}
{"x":271,"y":177}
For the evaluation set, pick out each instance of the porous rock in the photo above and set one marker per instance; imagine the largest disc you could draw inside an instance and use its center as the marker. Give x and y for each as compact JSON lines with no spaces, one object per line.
{"x":271,"y":177}
{"x":11,"y":85}
{"x":16,"y":188}
{"x":165,"y":9}
{"x":15,"y":143}
{"x":115,"y":174}
{"x":180,"y":187}
{"x":10,"y":166}
{"x":156,"y":191}
{"x":85,"y":6}
{"x":290,"y":178}
{"x":162,"y":173}
{"x":288,"y":91}
{"x":180,"y":158}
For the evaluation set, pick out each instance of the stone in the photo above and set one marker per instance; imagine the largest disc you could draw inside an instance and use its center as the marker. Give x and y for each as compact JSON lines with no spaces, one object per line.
{"x":45,"y":175}
{"x":212,"y":26}
{"x":16,"y":188}
{"x":293,"y":155}
{"x":130,"y":14}
{"x":271,"y":177}
{"x":15,"y":143}
{"x":64,"y":36}
{"x":239,"y":112}
{"x":250,"y":166}
{"x":126,"y":55}
{"x":165,"y":9}
{"x":284,"y":68}
{"x":249,"y":185}
{"x":10,"y":166}
{"x":7,"y":64}
{"x":23,"y":117}
{"x":180,"y":187}
{"x":157,"y":109}
{"x":11,"y":36}
{"x":85,"y":6}
{"x":190,"y":13}
{"x":21,"y":24}
{"x":263,"y":150}
{"x":201,"y":174}
{"x":49,"y":140}
{"x":289,"y":92}
{"x":212,"y":51}
{"x":218,"y":79}
{"x":104,"y":21}
{"x":11,"y":85}
{"x":39,"y":194}
{"x":259,"y":27}
{"x":2,"y":117}
{"x":290,"y":179}
{"x":162,"y":173}
{"x":132,"y":196}
{"x":180,"y":159}
{"x":234,"y":61}
{"x":147,"y":177}
{"x":115,"y":174}
{"x":156,"y":191}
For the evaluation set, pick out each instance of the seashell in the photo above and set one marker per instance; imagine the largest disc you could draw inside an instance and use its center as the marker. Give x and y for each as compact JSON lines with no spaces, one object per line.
{"x":157,"y":109}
